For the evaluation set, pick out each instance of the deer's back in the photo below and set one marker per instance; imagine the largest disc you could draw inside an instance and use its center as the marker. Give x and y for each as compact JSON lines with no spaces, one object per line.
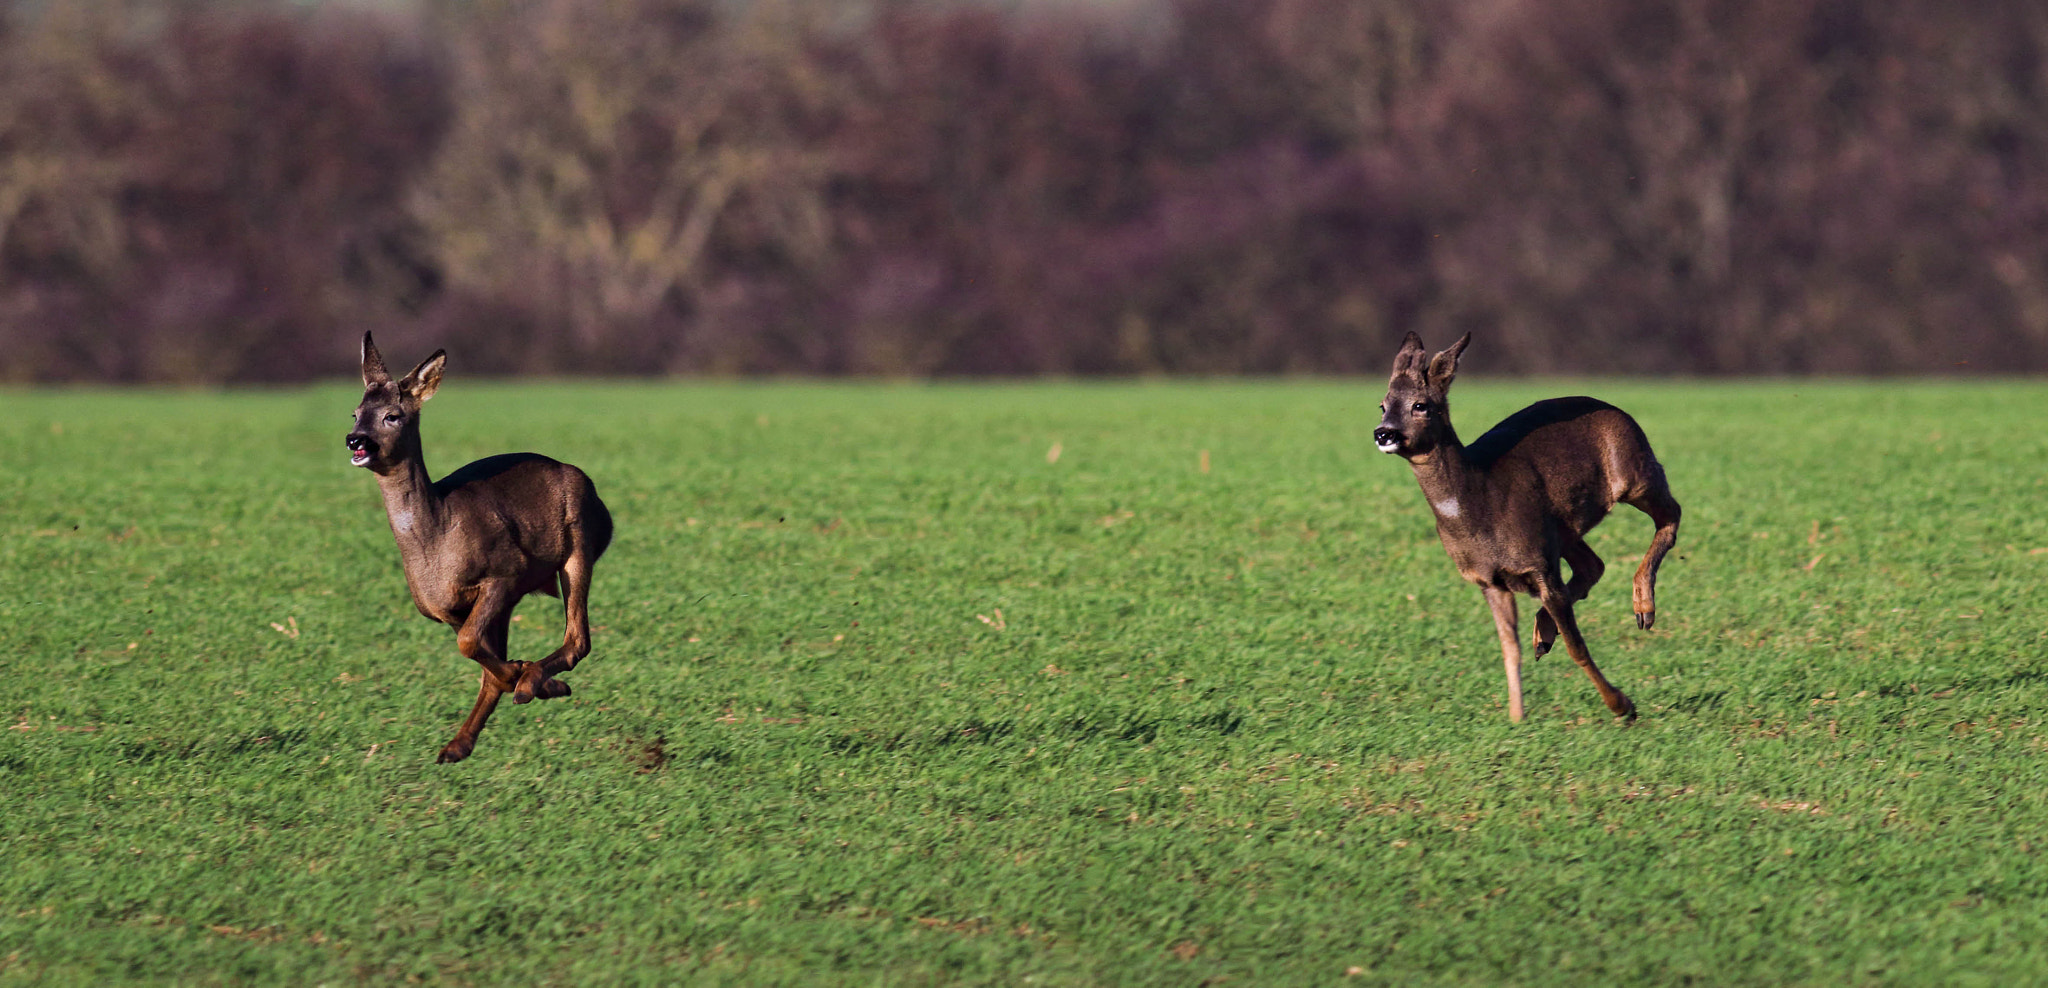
{"x":530,"y":503}
{"x":1582,"y":454}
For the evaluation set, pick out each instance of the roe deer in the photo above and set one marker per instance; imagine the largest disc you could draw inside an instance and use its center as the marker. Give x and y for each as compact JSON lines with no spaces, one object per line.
{"x":1521,"y":498}
{"x":479,"y":539}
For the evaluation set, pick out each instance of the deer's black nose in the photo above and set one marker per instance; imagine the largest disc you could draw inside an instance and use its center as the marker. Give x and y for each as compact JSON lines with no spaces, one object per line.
{"x":1385,"y":437}
{"x":357,"y":442}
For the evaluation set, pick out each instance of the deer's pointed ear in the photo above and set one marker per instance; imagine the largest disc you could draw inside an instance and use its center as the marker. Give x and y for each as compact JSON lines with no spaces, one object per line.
{"x":420,"y":384}
{"x":1443,"y":368}
{"x":1410,"y":358}
{"x":373,"y":364}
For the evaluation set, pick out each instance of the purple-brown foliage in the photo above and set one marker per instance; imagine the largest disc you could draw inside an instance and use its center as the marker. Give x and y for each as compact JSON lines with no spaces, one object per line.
{"x":198,"y":193}
{"x":1743,"y":186}
{"x":233,"y":191}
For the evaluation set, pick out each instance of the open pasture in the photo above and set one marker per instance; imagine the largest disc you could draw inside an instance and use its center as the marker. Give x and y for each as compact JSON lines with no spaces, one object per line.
{"x":995,"y":684}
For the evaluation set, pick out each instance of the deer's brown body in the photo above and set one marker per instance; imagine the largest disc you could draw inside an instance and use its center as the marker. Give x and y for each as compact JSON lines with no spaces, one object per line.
{"x":1520,"y":500}
{"x":481,"y":538}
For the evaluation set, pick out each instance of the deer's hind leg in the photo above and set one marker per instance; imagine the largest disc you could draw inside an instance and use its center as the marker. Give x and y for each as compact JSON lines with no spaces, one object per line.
{"x":538,"y":678}
{"x":482,"y":637}
{"x":1586,"y":571}
{"x":1664,"y":512}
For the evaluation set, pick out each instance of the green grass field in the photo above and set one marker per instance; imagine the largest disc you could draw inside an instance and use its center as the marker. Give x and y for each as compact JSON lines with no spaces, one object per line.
{"x":884,"y":693}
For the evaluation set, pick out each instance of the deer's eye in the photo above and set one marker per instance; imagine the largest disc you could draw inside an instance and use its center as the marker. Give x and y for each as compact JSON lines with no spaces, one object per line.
{"x":392,"y":418}
{"x":1421,"y":407}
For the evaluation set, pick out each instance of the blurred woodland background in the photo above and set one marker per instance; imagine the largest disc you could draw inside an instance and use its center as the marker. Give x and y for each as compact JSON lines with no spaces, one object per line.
{"x":233,"y":191}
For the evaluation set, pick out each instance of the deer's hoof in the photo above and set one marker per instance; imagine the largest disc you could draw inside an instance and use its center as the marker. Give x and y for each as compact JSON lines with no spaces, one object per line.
{"x":1644,"y":619}
{"x":1538,"y":649}
{"x":529,"y":682}
{"x":456,"y":751}
{"x":537,"y":685}
{"x":1627,"y":711}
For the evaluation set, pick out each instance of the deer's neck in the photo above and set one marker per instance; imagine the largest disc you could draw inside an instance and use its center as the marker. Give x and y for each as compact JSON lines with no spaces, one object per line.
{"x":1444,"y":476}
{"x":417,"y":519}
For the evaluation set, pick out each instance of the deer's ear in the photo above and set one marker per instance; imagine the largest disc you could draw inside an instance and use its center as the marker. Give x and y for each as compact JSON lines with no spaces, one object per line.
{"x":1443,"y":367}
{"x":1410,"y":358}
{"x":420,"y":384}
{"x":373,"y":364}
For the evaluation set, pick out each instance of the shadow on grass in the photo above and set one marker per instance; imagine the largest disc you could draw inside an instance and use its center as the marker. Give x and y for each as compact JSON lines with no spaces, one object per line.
{"x":1140,"y":731}
{"x":212,"y":749}
{"x":1700,"y":702}
{"x":971,"y":732}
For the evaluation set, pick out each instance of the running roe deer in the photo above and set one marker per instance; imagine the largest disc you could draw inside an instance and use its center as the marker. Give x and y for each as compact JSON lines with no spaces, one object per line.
{"x":479,"y":539}
{"x":1521,"y":498}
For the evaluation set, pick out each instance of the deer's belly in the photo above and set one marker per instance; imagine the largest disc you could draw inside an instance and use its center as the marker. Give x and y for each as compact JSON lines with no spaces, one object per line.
{"x":1478,"y":569}
{"x":1500,"y":580}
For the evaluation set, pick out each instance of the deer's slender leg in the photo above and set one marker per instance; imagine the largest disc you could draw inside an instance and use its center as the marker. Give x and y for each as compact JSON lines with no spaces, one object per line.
{"x":1664,"y":512}
{"x":482,"y":638}
{"x":538,"y":679}
{"x":487,"y":695}
{"x":1558,"y":604}
{"x":1504,"y":621}
{"x":1586,"y":571}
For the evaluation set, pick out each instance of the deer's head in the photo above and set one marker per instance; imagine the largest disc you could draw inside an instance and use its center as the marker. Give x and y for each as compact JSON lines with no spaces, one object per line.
{"x":388,"y":421}
{"x":1415,"y":418}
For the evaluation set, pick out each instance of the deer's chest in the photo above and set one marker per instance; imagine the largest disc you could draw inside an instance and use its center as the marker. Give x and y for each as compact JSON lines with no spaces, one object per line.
{"x":442,"y":600}
{"x":1486,"y":551}
{"x":442,"y":583}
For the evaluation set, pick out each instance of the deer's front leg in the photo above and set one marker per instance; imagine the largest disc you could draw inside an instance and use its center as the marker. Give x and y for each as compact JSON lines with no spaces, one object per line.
{"x":482,"y":638}
{"x":1558,"y":603}
{"x":1504,"y":620}
{"x":1586,"y":571}
{"x":488,"y":692}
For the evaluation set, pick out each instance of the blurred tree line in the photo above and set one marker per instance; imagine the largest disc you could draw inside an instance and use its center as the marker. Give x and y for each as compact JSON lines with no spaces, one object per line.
{"x":204,"y":191}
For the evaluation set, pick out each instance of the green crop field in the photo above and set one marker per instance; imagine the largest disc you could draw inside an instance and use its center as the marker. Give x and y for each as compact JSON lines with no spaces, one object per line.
{"x":903,"y":684}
